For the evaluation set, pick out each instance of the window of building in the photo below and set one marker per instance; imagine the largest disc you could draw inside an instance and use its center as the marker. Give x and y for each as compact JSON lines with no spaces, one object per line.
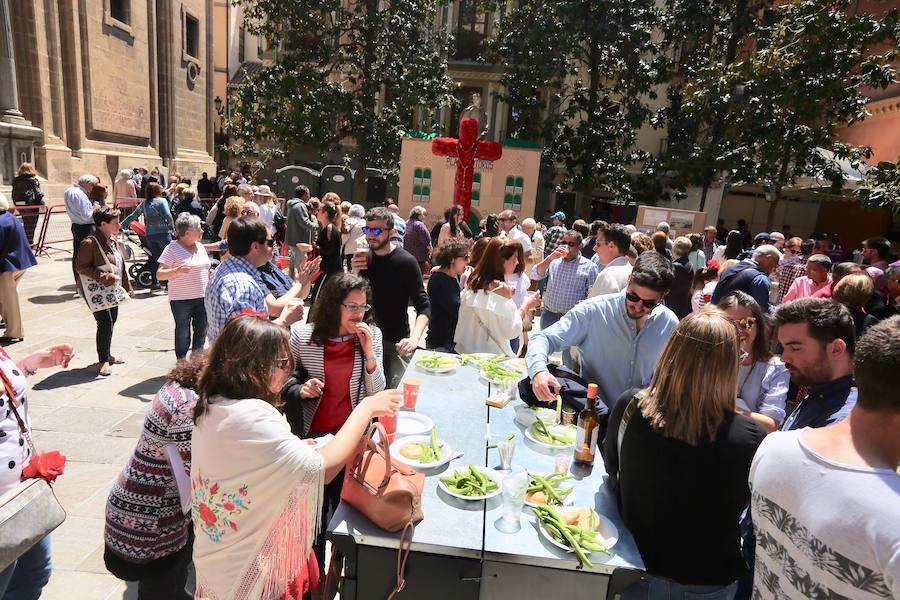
{"x":117,"y":14}
{"x":191,"y":36}
{"x":120,"y":10}
{"x":471,"y":30}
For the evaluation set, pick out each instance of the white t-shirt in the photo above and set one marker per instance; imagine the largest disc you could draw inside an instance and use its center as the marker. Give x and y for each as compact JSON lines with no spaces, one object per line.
{"x":823,"y":529}
{"x":521,"y":282}
{"x":190,"y":285}
{"x":14,"y":450}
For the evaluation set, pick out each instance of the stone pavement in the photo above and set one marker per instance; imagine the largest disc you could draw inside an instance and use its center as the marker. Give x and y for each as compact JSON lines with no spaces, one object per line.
{"x":93,"y":420}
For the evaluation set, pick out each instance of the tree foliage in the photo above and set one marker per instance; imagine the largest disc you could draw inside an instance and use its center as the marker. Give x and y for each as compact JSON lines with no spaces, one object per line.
{"x":801,"y":76}
{"x":345,"y":72}
{"x":578,"y":75}
{"x":881,"y":187}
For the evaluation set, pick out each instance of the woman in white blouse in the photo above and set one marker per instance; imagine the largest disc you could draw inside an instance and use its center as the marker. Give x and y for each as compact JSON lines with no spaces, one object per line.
{"x":488,"y":315}
{"x":762,"y":379}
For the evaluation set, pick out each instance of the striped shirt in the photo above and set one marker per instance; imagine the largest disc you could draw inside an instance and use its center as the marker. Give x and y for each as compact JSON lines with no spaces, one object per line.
{"x":190,"y":285}
{"x":311,"y":357}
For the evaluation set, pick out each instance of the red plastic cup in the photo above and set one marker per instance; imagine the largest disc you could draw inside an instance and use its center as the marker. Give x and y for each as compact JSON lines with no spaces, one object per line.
{"x":411,"y":393}
{"x":282,"y":262}
{"x":389,"y":422}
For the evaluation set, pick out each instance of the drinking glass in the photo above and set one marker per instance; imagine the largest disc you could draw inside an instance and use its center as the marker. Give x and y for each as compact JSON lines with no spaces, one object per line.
{"x":506,"y":448}
{"x":513,"y":488}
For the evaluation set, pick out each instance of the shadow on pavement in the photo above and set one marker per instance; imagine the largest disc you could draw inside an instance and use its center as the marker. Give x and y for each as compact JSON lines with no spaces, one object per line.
{"x":68,"y":377}
{"x":52,"y":299}
{"x":145,"y":390}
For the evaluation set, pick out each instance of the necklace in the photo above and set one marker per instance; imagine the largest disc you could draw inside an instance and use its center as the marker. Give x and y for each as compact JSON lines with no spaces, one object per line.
{"x":741,"y":385}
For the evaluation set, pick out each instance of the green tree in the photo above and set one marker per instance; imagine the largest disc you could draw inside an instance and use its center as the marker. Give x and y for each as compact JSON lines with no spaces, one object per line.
{"x":881,"y":187}
{"x":577,"y":76}
{"x":347,"y":75}
{"x":801,"y":77}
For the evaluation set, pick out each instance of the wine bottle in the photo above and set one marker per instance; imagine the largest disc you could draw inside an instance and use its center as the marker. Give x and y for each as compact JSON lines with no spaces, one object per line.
{"x":588,"y":429}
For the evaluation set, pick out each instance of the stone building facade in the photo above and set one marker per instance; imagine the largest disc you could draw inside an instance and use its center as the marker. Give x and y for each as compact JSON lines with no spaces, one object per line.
{"x":108,"y":85}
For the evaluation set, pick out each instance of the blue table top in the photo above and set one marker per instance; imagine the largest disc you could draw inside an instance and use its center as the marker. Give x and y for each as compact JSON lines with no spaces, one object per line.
{"x":455,"y":401}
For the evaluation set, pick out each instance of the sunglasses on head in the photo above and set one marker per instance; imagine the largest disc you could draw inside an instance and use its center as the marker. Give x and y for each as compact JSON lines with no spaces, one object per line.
{"x":649,"y":304}
{"x":372,"y":230}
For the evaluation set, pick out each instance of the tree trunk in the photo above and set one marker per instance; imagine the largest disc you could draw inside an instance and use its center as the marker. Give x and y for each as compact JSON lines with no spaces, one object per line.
{"x":360,"y":188}
{"x":770,"y":218}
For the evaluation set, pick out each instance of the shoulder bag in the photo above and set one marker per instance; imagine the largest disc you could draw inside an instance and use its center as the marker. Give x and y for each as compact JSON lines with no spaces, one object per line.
{"x":388,"y":495}
{"x":30,"y":511}
{"x":100,"y":296}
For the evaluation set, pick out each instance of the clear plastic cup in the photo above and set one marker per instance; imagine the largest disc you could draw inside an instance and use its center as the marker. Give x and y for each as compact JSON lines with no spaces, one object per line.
{"x":506,"y":449}
{"x":513,"y":488}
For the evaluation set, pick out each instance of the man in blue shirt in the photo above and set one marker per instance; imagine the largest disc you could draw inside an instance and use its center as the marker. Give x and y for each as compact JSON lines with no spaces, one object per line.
{"x":236,"y":284}
{"x":751,"y":276}
{"x":819,"y":338}
{"x":81,"y":214}
{"x":620,"y":336}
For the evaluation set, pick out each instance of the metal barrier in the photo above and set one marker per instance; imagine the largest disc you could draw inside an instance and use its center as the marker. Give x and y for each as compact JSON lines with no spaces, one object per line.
{"x":57,"y":230}
{"x":33,"y":219}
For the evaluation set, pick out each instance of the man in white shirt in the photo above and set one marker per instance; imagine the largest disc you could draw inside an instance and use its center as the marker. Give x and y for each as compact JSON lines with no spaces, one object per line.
{"x":611,"y":247}
{"x":509,"y":223}
{"x":81,"y":213}
{"x":529,"y":227}
{"x":824,"y":501}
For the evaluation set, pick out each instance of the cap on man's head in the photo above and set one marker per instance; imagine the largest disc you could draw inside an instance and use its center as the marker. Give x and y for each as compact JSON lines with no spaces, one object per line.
{"x":762,"y":237}
{"x":559,"y":215}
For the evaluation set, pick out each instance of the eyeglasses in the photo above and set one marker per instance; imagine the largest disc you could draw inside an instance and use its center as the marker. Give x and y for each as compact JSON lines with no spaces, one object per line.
{"x":270,"y":242}
{"x":464,"y":257}
{"x":376,"y":231}
{"x":282,"y":362}
{"x":649,"y":304}
{"x":356,"y":308}
{"x":746,"y":323}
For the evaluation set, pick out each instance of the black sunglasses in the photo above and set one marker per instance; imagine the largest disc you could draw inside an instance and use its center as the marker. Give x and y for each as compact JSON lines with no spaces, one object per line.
{"x":649,"y":304}
{"x":270,"y":242}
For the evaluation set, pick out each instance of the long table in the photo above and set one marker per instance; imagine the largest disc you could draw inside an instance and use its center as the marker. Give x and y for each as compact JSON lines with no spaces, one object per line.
{"x":457,"y":551}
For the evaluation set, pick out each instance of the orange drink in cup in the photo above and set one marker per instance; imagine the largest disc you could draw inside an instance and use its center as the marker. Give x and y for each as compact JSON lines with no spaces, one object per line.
{"x":411,"y":393}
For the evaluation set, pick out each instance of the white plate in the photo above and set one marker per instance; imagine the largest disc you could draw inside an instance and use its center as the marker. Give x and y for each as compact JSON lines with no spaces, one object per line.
{"x":609,"y":533}
{"x":525,"y":415}
{"x":446,"y":451}
{"x":567,"y":501}
{"x":516,"y":364}
{"x":491,"y":474}
{"x":413,"y":423}
{"x":481,"y":356}
{"x":447,"y":369}
{"x":556,"y":429}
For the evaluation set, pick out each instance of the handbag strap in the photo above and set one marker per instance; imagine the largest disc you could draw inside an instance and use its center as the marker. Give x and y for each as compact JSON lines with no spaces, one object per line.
{"x":13,"y":403}
{"x":102,"y":250}
{"x":402,"y":557}
{"x":623,"y":424}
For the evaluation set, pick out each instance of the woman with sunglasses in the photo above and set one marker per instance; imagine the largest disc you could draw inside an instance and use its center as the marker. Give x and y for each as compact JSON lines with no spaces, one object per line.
{"x":444,"y":289}
{"x":257,"y":489}
{"x":763,"y":379}
{"x":339,"y":362}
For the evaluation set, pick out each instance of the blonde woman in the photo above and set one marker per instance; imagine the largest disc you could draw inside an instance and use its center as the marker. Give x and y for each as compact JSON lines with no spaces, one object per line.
{"x":678,"y":457}
{"x":232,"y":210}
{"x":854,"y":292}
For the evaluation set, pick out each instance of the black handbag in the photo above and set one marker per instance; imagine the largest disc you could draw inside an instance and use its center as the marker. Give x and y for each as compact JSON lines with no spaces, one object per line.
{"x":573,"y":390}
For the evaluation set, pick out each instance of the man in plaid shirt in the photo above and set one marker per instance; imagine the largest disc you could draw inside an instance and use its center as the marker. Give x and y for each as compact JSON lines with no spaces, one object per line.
{"x":793,"y":267}
{"x":571,"y":278}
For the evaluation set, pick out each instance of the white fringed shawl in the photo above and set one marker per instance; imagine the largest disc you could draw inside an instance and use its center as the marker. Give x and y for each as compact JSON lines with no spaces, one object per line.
{"x":256,"y":501}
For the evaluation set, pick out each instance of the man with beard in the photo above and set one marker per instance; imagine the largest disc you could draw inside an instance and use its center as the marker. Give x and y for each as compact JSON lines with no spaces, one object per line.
{"x":619,"y":336}
{"x":396,"y":281}
{"x":818,"y":338}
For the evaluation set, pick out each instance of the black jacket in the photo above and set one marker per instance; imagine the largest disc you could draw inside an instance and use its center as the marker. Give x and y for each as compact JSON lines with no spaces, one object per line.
{"x":26,"y":191}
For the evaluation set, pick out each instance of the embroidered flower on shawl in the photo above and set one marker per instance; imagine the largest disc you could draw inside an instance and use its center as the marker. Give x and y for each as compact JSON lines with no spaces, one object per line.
{"x":214,"y":512}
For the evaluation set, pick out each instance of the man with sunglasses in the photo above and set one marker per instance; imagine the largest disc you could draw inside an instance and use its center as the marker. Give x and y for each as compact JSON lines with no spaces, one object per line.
{"x":236,"y":284}
{"x":611,"y":248}
{"x":396,"y":281}
{"x":509,"y":224}
{"x":619,"y":336}
{"x":571,"y":277}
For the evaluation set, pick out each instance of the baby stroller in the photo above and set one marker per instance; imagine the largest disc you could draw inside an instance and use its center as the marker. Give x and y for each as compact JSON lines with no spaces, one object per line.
{"x":136,"y":235}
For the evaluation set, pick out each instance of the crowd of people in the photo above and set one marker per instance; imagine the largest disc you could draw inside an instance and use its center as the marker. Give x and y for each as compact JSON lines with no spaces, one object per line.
{"x":746,"y":369}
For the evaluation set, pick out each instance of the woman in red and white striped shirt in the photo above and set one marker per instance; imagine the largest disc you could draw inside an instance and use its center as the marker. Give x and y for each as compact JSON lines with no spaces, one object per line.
{"x":185,"y":265}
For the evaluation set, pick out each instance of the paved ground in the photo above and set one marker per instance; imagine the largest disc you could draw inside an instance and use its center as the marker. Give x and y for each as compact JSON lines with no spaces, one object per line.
{"x":94,"y":421}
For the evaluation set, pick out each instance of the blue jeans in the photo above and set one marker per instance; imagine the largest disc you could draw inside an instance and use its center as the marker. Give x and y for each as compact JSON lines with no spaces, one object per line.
{"x":660,"y":588}
{"x":188,"y":313}
{"x":26,"y":577}
{"x":156,"y":243}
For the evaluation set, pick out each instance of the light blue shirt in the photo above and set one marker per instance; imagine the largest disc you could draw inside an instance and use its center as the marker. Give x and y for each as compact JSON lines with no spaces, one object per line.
{"x":614,"y":354}
{"x":78,"y":206}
